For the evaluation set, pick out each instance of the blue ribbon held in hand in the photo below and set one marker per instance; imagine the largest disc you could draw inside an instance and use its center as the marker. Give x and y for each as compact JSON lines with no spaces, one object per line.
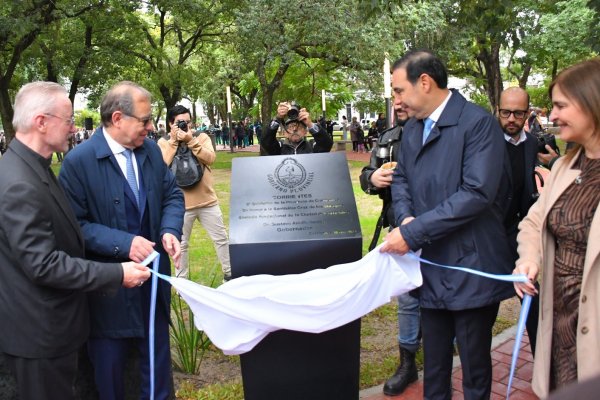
{"x":525,"y":306}
{"x":154,"y":258}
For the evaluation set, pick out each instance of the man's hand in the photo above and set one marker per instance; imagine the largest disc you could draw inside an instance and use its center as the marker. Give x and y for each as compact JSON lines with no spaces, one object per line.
{"x":407,"y":220}
{"x":382,"y":178}
{"x":282,"y":110}
{"x":546,"y":158}
{"x":140,"y":249}
{"x":134,"y":274}
{"x":304,"y":116}
{"x":395,"y":243}
{"x":172,"y":247}
{"x":531,"y":270}
{"x":180,"y":135}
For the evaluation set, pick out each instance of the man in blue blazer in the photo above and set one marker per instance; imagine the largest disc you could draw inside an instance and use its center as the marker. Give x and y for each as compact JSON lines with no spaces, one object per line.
{"x":127,"y":204}
{"x":448,"y":192}
{"x":44,"y":317}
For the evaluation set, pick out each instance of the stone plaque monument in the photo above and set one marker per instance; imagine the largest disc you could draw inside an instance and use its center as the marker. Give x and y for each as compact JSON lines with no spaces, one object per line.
{"x":289,"y":215}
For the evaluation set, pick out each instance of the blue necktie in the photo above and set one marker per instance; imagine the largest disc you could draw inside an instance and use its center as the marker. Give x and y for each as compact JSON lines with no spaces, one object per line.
{"x":428,"y":124}
{"x":131,"y":175}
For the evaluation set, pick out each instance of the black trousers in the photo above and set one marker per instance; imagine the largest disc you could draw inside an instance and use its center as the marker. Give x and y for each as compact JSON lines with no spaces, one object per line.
{"x":472,"y":329}
{"x":44,"y":378}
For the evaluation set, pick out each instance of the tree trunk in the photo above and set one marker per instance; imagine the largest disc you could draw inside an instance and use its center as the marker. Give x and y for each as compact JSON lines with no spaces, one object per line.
{"x":51,"y":74}
{"x":265,"y":111}
{"x":525,"y":76}
{"x":210,"y":112}
{"x":554,"y":68}
{"x":491,"y":63}
{"x":170,"y":99}
{"x":81,"y":65}
{"x":6,"y":111}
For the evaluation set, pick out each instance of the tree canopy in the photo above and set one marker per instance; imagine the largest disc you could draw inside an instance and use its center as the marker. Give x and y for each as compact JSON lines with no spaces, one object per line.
{"x":273,"y":50}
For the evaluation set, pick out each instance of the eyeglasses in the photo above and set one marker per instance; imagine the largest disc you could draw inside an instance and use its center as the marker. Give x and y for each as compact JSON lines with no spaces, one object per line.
{"x":69,"y":121}
{"x":519,"y":114}
{"x":145,"y":121}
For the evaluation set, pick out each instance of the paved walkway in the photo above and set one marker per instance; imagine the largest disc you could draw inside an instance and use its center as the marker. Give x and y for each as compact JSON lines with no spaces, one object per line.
{"x":502,"y":346}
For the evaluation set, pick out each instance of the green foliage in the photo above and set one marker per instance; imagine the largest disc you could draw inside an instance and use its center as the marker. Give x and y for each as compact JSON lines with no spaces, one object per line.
{"x":480,"y":99}
{"x":565,"y":32}
{"x":188,"y":343}
{"x":81,"y":115}
{"x":539,"y":96}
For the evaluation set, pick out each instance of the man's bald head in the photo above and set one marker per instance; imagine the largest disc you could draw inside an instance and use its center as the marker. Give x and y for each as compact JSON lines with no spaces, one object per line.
{"x":513,"y":110}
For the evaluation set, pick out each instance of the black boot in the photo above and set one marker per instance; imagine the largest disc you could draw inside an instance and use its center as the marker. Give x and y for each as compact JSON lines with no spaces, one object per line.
{"x":404,"y":376}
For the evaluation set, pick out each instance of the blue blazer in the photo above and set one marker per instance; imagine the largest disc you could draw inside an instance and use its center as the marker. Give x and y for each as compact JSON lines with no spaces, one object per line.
{"x":456,"y":187}
{"x":94,"y":185}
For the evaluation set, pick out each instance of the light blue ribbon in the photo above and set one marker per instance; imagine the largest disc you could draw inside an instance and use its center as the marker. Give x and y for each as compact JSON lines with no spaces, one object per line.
{"x":154,"y":258}
{"x":525,"y":306}
{"x":520,"y":328}
{"x":506,"y":278}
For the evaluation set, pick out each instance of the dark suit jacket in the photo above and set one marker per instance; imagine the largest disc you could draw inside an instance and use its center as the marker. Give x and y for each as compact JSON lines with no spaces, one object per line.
{"x":455,"y":186}
{"x":43,"y":307}
{"x":529,"y":190}
{"x":527,"y":199}
{"x":388,"y":138}
{"x":94,"y":185}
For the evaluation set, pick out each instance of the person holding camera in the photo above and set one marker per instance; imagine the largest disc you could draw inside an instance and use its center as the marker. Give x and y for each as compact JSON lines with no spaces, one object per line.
{"x":201,"y":201}
{"x":375,"y":179}
{"x":296,"y":124}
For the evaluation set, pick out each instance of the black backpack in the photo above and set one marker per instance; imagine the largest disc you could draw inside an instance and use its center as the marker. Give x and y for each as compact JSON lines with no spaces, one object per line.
{"x":186,"y":168}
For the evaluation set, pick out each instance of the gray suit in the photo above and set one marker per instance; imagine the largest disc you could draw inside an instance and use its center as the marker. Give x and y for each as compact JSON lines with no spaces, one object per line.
{"x":43,"y":307}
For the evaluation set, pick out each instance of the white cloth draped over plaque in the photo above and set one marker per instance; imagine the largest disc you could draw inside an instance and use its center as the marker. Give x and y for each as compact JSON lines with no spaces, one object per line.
{"x":239,"y":314}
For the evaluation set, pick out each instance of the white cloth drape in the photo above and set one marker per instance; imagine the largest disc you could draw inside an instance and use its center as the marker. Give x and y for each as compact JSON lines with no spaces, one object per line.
{"x":239,"y":314}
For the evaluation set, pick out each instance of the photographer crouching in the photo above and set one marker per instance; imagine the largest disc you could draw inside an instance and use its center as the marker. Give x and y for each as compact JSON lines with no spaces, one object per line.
{"x":296,"y":123}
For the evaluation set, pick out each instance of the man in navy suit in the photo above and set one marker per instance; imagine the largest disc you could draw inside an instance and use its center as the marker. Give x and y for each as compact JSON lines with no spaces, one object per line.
{"x":128,"y":204}
{"x":43,"y":306}
{"x":448,"y":192}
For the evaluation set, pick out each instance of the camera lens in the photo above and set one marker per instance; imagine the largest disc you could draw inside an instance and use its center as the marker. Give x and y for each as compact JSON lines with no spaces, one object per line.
{"x":293,"y":113}
{"x":182,"y":125}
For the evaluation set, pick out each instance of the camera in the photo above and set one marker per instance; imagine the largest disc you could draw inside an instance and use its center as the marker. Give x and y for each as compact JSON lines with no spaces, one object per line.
{"x":181,"y":124}
{"x":293,"y":112}
{"x":383,"y":152}
{"x":546,"y":139}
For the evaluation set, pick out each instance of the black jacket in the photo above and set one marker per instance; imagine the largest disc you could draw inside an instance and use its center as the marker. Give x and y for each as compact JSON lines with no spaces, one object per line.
{"x":389,"y":139}
{"x":271,"y":146}
{"x":529,"y":194}
{"x":43,"y":305}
